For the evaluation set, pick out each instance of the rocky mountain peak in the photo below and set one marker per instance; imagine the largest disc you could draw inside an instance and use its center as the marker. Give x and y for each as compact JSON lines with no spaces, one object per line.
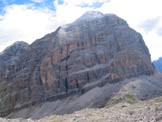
{"x":15,"y":49}
{"x":11,"y":57}
{"x":110,"y":19}
{"x":91,"y":15}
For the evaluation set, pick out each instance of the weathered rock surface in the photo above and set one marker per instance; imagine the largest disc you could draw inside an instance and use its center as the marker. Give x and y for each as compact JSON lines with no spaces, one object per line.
{"x":93,"y":48}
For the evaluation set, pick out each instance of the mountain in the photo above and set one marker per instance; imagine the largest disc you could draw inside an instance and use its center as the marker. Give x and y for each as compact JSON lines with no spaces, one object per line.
{"x":92,"y":55}
{"x":158,"y":64}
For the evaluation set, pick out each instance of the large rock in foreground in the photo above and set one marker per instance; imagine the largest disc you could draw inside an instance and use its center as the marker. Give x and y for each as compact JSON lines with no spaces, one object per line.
{"x":92,"y":49}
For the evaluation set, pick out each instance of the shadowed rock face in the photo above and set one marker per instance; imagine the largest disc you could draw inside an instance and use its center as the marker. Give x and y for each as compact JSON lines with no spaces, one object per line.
{"x":94,"y":47}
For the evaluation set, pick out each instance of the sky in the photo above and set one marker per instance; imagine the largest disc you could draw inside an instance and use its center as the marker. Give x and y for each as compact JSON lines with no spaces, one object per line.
{"x":28,"y":20}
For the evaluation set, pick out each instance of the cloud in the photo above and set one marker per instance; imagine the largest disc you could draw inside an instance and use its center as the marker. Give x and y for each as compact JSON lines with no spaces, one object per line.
{"x":66,"y":13}
{"x":153,"y":41}
{"x":135,"y":11}
{"x":25,"y":22}
{"x":70,"y":10}
{"x":150,"y":24}
{"x":159,"y":31}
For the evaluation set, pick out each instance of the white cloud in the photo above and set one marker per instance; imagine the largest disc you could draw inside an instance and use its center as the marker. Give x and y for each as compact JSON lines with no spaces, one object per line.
{"x":25,"y":22}
{"x":154,"y":43}
{"x":150,"y":24}
{"x":70,"y":10}
{"x":135,"y":11}
{"x":67,"y":13}
{"x":153,"y":40}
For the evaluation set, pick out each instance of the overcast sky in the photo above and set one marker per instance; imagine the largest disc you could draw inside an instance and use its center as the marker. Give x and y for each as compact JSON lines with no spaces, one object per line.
{"x":27,"y":20}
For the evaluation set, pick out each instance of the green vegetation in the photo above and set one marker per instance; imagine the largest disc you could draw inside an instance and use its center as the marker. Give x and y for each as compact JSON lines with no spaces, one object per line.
{"x":130,"y":99}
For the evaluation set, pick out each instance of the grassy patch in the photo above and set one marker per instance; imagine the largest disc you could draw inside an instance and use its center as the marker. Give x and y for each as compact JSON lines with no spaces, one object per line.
{"x":113,"y":101}
{"x":130,"y":99}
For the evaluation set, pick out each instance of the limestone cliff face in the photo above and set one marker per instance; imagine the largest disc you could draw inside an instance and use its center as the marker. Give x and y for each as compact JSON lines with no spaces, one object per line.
{"x":94,"y":47}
